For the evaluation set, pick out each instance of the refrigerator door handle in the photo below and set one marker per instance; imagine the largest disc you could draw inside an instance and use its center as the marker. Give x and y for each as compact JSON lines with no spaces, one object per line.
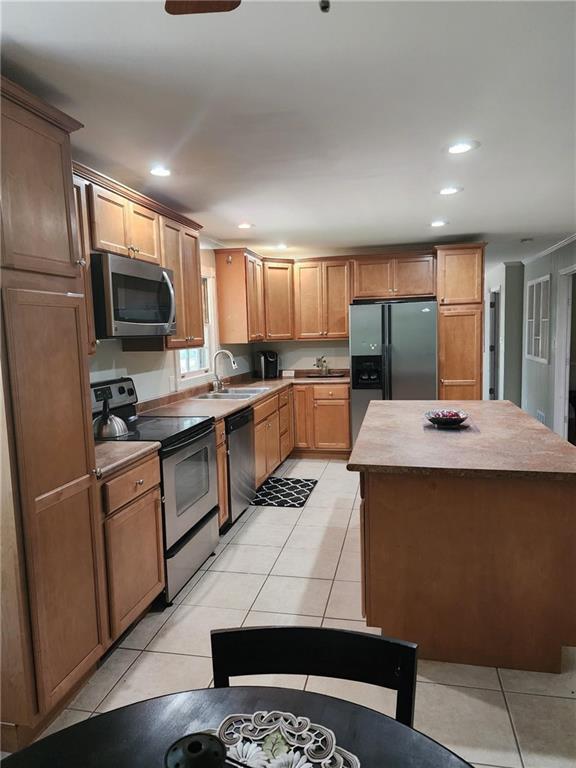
{"x":386,"y":353}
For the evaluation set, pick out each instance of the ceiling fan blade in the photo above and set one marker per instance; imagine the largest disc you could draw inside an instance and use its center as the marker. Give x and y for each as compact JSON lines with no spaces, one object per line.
{"x":177,"y":7}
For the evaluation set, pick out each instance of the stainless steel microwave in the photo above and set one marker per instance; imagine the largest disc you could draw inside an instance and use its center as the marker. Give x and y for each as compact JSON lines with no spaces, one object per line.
{"x":131,"y":297}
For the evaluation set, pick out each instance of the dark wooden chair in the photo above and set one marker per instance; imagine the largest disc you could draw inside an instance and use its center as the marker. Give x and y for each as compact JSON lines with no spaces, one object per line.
{"x":318,"y":651}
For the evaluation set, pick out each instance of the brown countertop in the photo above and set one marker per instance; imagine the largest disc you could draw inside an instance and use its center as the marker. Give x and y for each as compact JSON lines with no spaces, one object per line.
{"x":192,"y":406}
{"x":112,"y":455}
{"x":501,"y":440}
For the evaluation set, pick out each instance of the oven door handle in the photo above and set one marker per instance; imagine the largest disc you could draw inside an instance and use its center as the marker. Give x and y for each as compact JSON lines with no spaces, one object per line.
{"x":166,"y":277}
{"x":172,"y":449}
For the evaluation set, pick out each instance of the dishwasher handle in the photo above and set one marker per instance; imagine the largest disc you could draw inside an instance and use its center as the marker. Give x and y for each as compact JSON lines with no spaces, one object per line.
{"x":239,"y":420}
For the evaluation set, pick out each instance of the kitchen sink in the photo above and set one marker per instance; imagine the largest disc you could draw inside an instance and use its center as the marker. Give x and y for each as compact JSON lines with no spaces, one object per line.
{"x":225,"y":396}
{"x":251,"y":390}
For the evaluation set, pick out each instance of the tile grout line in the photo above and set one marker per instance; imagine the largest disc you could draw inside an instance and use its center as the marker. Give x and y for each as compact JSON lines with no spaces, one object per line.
{"x":511,"y":719}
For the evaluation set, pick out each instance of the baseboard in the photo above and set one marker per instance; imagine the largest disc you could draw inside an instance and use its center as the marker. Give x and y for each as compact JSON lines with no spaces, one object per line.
{"x":311,"y":453}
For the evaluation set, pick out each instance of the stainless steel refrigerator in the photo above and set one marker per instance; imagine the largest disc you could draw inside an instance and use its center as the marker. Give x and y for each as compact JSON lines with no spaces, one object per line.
{"x":392,"y":354}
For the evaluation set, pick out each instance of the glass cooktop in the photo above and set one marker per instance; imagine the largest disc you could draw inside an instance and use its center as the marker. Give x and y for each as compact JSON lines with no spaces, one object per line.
{"x":167,"y":430}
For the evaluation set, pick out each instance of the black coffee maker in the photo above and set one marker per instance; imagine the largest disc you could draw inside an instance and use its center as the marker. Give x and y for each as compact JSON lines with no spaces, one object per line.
{"x":267,"y":364}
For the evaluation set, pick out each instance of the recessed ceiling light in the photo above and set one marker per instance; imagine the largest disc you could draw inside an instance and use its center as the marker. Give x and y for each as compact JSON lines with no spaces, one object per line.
{"x":450,"y":190}
{"x":460,"y":147}
{"x":281,"y":247}
{"x":438,"y":223}
{"x":160,"y":170}
{"x":244,"y":225}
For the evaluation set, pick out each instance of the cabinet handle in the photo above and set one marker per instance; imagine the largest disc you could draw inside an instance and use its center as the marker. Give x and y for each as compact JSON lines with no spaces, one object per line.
{"x":330,"y":393}
{"x":140,"y":482}
{"x":97,"y":472}
{"x":390,"y":290}
{"x":395,"y":290}
{"x":442,"y":381}
{"x":81,"y":262}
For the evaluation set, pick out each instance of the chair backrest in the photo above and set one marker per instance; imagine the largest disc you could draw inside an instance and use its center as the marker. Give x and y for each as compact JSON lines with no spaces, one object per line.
{"x":318,"y":651}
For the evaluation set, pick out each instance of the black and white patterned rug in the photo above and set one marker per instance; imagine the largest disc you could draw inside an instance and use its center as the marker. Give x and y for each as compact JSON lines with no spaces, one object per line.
{"x":284,"y":492}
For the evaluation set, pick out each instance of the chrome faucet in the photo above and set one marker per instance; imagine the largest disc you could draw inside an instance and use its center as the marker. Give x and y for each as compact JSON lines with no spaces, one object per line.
{"x":322,"y":365}
{"x":217,"y":384}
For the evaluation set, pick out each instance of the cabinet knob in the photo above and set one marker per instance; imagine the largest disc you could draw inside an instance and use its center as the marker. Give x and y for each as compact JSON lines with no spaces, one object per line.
{"x":97,"y":472}
{"x":390,"y":290}
{"x":395,"y":290}
{"x":81,"y":262}
{"x":330,"y":393}
{"x":140,"y":482}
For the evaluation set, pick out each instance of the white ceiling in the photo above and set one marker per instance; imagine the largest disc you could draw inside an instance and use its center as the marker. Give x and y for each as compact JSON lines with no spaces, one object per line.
{"x":326,"y":131}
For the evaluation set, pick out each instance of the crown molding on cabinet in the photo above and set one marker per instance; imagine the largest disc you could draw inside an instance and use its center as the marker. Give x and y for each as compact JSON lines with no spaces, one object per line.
{"x":131,"y":194}
{"x":32,"y":103}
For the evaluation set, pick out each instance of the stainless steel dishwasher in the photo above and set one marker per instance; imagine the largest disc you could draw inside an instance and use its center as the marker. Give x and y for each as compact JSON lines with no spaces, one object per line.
{"x":241,"y":473}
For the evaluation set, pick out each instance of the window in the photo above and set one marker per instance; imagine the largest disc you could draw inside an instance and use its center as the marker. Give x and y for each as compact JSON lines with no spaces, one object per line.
{"x":197,"y":361}
{"x":538,"y":319}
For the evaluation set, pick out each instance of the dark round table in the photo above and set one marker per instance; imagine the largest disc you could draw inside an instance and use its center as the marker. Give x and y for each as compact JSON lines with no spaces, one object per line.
{"x":138,"y":736}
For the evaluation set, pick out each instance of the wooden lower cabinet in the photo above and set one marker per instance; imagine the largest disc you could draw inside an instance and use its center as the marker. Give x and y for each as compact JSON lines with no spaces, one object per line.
{"x":271,"y":439}
{"x":222,"y":472}
{"x":322,"y":417}
{"x":273,"y":443}
{"x":134,"y":559}
{"x":332,"y":424}
{"x":260,"y":447}
{"x":460,"y":352}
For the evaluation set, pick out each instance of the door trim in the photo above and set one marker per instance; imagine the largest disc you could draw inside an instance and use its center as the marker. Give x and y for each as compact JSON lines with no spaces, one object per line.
{"x":561,"y":350}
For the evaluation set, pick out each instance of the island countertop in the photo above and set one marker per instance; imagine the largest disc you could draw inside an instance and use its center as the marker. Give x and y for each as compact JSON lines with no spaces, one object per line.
{"x":501,"y":439}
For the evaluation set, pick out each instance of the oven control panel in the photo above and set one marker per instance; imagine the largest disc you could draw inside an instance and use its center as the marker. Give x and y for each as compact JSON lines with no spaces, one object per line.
{"x":118,"y":392}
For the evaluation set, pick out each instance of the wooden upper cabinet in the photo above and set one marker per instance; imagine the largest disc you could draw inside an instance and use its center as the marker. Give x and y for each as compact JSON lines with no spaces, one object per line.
{"x":194,"y":298}
{"x":460,"y":274}
{"x":46,"y":342}
{"x":82,"y":218}
{"x":373,"y":278}
{"x":180,"y":254}
{"x":321,"y":297}
{"x":309,"y":315}
{"x":336,"y":299}
{"x":255,"y":298}
{"x":144,"y":228}
{"x":110,"y":218}
{"x":279,"y":300}
{"x":460,"y":352}
{"x":414,"y":276}
{"x":38,"y":217}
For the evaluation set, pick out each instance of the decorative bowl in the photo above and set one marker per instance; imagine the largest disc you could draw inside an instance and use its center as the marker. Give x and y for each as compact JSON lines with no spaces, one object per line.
{"x":446,"y":417}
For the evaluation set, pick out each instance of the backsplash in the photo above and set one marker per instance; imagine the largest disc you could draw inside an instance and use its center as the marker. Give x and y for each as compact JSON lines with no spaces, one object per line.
{"x":301,"y":354}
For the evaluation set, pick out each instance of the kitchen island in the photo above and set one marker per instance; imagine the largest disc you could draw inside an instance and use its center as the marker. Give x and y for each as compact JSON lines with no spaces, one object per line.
{"x":468,"y":536}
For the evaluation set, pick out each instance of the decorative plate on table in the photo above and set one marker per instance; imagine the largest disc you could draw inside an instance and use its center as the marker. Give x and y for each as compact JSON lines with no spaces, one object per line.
{"x":447,"y":418}
{"x":282,"y":740}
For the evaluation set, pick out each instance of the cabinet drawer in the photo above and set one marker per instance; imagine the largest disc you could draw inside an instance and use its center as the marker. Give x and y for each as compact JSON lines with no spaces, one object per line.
{"x":265,"y":409}
{"x":220,"y":432}
{"x":331,"y":392}
{"x":284,"y":397}
{"x":284,"y":419}
{"x":131,"y":484}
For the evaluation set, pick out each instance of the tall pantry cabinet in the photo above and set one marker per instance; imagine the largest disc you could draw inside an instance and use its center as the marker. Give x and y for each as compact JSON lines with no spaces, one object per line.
{"x":56,"y":628}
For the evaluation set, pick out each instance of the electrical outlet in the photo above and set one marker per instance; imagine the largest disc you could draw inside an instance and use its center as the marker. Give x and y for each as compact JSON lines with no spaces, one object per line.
{"x":541,"y":416}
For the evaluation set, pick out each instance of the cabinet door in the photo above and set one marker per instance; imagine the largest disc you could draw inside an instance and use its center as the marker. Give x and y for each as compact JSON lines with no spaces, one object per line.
{"x":460,"y":275}
{"x":110,"y":216}
{"x":273,"y":443}
{"x":193,"y":289}
{"x":336,"y":295}
{"x":308,"y":304}
{"x":38,"y":221}
{"x":81,"y":205}
{"x":145,"y":233}
{"x":414,"y":276}
{"x":222,"y":471}
{"x":331,"y":424}
{"x":261,"y":451}
{"x":279,"y":300}
{"x":134,"y":558}
{"x":303,"y":437}
{"x":170,"y":239}
{"x":254,"y":298}
{"x":460,"y":352}
{"x":46,"y":343}
{"x":373,"y":278}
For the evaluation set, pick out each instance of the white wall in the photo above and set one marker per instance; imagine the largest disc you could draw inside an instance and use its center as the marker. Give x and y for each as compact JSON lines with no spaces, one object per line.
{"x":301,"y":354}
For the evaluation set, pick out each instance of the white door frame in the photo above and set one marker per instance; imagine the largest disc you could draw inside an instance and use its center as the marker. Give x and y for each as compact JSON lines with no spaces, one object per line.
{"x":562,"y":350}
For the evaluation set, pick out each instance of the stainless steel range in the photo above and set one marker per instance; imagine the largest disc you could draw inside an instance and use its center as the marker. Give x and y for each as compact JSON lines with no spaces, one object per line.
{"x":189,"y":479}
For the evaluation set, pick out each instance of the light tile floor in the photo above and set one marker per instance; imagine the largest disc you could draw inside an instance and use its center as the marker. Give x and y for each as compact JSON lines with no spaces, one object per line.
{"x":302,"y":566}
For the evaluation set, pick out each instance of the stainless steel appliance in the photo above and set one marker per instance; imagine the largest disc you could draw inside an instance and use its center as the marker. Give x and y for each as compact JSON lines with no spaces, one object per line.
{"x":241,"y":470}
{"x":131,"y":297}
{"x":107,"y":426}
{"x":189,"y":478}
{"x":392,"y":354}
{"x":268,"y":364}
